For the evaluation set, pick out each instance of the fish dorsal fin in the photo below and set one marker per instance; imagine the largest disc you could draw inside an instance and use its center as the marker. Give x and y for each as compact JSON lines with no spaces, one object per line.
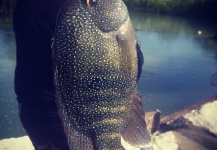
{"x":137,"y":135}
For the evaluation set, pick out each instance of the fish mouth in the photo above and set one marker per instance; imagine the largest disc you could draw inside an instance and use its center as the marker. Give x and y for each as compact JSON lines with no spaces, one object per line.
{"x":111,"y":18}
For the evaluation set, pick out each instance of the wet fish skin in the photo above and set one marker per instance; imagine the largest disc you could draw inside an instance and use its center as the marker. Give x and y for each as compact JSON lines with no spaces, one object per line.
{"x":95,"y":71}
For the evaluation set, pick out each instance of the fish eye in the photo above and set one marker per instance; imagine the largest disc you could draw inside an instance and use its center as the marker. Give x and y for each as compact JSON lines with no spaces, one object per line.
{"x":91,"y":3}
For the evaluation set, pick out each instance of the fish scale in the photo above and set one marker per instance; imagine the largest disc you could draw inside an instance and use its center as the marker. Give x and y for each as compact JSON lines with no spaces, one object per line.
{"x":95,"y":73}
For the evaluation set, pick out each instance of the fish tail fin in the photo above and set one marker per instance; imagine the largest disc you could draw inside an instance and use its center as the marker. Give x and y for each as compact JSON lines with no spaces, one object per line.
{"x":136,"y":134}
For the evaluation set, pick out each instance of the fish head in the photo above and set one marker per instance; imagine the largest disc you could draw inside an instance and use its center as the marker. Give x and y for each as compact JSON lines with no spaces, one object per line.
{"x":107,"y":15}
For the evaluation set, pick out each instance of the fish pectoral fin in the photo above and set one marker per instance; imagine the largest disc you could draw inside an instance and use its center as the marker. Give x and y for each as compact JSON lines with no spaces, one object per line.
{"x":136,"y":133}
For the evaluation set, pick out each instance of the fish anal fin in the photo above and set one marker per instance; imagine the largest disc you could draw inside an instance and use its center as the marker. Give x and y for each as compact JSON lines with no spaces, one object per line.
{"x":79,"y":141}
{"x":76,"y":139}
{"x":136,"y":133}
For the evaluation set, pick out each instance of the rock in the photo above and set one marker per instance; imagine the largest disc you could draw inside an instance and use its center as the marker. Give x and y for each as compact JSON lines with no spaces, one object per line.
{"x":21,"y":143}
{"x":165,"y":141}
{"x":204,"y":117}
{"x":193,"y":128}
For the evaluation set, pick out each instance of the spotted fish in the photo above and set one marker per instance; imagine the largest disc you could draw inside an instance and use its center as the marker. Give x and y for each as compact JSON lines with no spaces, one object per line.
{"x":97,"y":63}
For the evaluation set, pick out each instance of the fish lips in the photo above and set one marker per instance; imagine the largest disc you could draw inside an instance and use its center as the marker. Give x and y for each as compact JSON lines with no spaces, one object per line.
{"x":110,"y":19}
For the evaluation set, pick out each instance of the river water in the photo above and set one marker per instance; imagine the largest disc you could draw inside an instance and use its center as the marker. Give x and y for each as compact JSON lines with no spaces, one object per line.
{"x":178,"y":65}
{"x":179,"y":60}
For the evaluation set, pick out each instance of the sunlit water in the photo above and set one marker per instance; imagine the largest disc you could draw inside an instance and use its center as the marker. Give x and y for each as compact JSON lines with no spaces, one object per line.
{"x":178,"y":62}
{"x":176,"y":73}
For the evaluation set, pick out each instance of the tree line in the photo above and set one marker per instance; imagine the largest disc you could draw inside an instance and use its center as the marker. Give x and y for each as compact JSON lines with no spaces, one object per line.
{"x":6,"y":8}
{"x":190,"y":8}
{"x":195,"y":8}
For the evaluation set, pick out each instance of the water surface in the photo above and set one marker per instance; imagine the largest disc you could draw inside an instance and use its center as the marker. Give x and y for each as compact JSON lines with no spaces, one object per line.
{"x":10,"y":125}
{"x":178,"y":62}
{"x":176,"y":73}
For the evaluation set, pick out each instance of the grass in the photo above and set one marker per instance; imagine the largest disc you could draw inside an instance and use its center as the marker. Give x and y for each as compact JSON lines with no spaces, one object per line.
{"x":193,"y":8}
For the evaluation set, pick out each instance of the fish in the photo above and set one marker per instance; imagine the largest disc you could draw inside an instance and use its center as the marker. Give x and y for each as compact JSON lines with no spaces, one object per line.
{"x":97,"y":62}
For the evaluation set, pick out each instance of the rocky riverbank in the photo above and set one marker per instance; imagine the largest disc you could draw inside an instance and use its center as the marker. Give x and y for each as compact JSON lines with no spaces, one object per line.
{"x":193,"y":128}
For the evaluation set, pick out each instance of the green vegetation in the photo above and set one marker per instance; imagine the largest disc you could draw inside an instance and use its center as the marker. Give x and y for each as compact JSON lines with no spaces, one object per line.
{"x":192,"y":8}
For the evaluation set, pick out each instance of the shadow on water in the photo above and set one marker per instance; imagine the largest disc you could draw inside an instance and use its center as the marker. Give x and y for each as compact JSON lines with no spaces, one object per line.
{"x":180,"y":60}
{"x":179,"y":64}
